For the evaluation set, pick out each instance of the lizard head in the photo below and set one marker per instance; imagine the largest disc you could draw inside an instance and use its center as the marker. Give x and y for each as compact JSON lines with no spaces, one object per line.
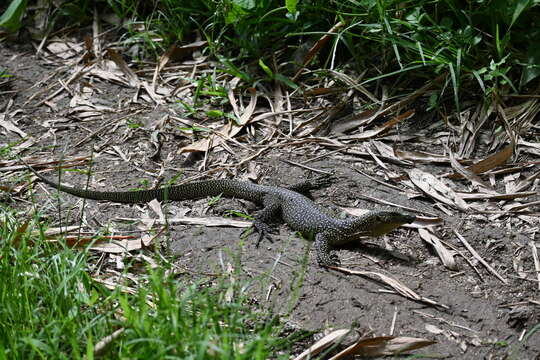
{"x":376,"y":223}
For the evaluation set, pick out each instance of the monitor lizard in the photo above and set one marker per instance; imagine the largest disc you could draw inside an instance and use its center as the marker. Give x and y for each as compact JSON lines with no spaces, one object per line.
{"x":295,"y":208}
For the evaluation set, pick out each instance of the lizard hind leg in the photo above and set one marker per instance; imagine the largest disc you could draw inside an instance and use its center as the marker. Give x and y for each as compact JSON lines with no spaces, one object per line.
{"x":318,"y":182}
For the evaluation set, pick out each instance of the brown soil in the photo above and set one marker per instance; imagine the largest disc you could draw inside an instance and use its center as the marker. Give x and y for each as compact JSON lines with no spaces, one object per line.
{"x":484,"y":318}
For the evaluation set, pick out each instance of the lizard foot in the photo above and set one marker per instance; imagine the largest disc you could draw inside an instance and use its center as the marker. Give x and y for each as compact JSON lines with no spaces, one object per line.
{"x":264,"y":231}
{"x":315,"y":183}
{"x":330,"y":260}
{"x":323,"y":181}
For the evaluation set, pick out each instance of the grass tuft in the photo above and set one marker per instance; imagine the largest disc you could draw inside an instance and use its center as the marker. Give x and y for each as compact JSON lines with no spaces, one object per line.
{"x":52,"y":307}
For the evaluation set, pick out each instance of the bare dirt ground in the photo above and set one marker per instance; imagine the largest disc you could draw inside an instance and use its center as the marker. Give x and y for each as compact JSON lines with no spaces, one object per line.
{"x":470,"y":311}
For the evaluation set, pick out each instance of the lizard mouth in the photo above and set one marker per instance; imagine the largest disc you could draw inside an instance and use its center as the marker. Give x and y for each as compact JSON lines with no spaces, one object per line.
{"x":381,"y":224}
{"x":385,"y":228}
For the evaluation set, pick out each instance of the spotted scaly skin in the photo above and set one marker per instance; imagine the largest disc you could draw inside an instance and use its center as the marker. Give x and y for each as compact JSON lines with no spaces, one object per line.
{"x":297,"y":210}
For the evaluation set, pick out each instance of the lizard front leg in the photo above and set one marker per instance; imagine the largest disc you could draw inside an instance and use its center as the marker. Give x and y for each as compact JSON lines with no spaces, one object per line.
{"x":322,"y":248}
{"x":271,"y":209}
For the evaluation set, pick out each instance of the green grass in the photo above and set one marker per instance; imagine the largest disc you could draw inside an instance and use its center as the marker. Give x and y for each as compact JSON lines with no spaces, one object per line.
{"x":53,"y":308}
{"x":482,"y":50}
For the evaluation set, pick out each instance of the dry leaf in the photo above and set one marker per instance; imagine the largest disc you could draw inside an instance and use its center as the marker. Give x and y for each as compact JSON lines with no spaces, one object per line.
{"x":18,"y":233}
{"x":419,"y":156}
{"x":119,"y":61}
{"x":104,"y":342}
{"x":383,"y":346}
{"x":156,"y":206}
{"x":536,"y":259}
{"x":368,"y":134}
{"x":316,"y":48}
{"x":520,"y":207}
{"x":393,"y":283}
{"x":424,"y":222}
{"x":116,"y":247}
{"x":229,"y":130}
{"x":56,"y":231}
{"x":8,"y":125}
{"x":330,"y":339}
{"x":430,"y":185}
{"x":488,"y":163}
{"x":479,"y":258}
{"x":481,"y":196}
{"x":353,"y":121}
{"x":468,"y":174}
{"x":206,"y":221}
{"x":134,"y":80}
{"x":64,"y":49}
{"x":520,"y":185}
{"x":177,"y":53}
{"x":446,"y":256}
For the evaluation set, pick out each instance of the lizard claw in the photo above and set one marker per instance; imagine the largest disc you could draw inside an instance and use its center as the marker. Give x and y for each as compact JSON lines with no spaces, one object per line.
{"x":264,"y":230}
{"x":330,"y":260}
{"x":335,"y":259}
{"x":323,"y":181}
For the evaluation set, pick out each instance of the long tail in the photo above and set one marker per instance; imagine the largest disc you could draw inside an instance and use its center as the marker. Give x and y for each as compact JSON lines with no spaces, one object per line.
{"x":194,"y":190}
